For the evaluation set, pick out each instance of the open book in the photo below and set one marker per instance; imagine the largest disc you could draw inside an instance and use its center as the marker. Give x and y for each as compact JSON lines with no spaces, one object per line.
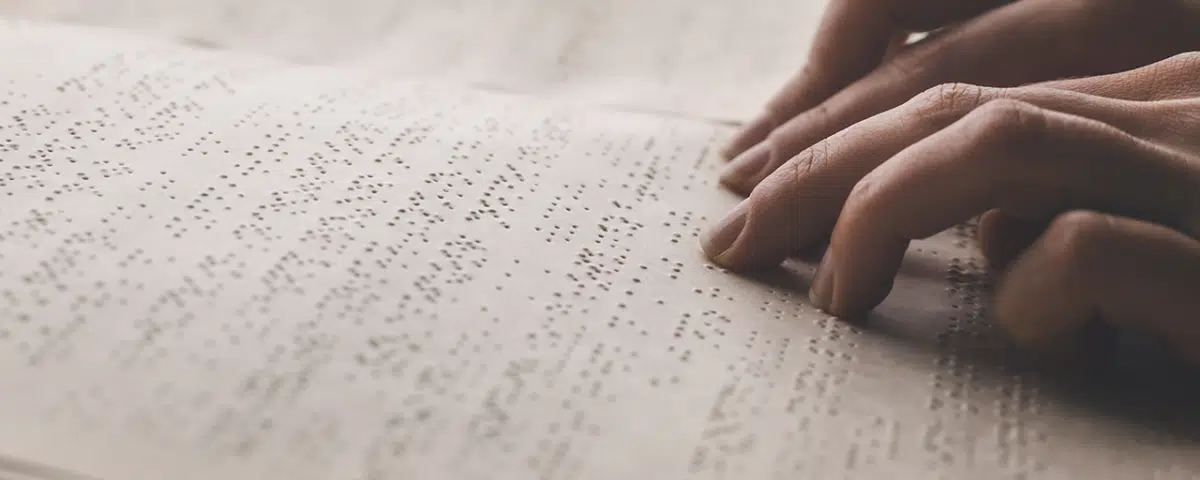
{"x":217,"y":265}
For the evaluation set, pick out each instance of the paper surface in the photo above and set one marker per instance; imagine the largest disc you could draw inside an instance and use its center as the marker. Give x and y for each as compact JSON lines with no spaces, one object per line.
{"x":713,"y":59}
{"x":220,"y":266}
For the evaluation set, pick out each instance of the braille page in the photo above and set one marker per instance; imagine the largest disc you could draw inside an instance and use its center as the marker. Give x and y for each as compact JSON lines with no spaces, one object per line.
{"x":708,"y":58}
{"x":219,"y":266}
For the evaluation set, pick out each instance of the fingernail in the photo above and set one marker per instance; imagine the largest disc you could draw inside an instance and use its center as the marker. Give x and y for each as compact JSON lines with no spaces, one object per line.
{"x":751,"y":134}
{"x":821,"y":291}
{"x":743,"y":171}
{"x":721,"y":236}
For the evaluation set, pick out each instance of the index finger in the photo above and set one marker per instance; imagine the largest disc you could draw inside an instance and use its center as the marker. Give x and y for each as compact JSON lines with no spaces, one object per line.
{"x":1007,"y":155}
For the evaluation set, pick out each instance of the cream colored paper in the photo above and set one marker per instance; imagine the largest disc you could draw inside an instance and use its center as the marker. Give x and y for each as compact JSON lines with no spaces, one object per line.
{"x":712,"y":59}
{"x":221,"y":266}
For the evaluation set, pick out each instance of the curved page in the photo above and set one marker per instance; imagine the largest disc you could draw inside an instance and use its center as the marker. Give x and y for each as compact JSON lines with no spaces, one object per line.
{"x":712,"y":59}
{"x":219,"y":266}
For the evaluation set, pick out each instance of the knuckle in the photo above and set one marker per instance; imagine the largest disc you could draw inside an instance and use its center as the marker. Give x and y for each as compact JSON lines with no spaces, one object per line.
{"x":810,"y":159}
{"x":1006,"y":121}
{"x":947,"y":100}
{"x":862,"y":194}
{"x":1187,"y":62}
{"x":1191,"y":58}
{"x":1168,"y":79}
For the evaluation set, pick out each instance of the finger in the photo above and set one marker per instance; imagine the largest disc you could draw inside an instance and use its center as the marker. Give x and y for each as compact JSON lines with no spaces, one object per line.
{"x":1129,"y":273}
{"x":1008,"y":155}
{"x":1170,"y":79}
{"x":854,"y":37}
{"x":799,"y":203}
{"x":1003,"y":236}
{"x":1044,"y":39}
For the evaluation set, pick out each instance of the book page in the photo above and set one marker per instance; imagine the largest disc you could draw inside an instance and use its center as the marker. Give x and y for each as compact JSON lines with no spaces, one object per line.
{"x":222,"y":266}
{"x":713,"y":59}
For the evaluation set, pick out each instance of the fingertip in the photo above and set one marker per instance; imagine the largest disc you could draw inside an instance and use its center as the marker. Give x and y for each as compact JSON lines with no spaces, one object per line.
{"x":719,"y":238}
{"x":863,"y":272}
{"x":821,"y":291}
{"x":745,"y":172}
{"x":856,"y":305}
{"x":823,"y":294}
{"x":748,"y":238}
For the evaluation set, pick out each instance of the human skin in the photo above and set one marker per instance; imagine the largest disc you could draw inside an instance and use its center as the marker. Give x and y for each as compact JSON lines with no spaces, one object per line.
{"x":1071,"y":128}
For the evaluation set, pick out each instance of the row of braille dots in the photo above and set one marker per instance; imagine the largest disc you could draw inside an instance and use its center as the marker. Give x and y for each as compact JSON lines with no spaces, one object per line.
{"x":593,"y":267}
{"x":495,"y":199}
{"x":27,"y":127}
{"x":452,"y":264}
{"x":430,"y":387}
{"x":595,"y":270}
{"x":31,"y":291}
{"x":568,"y":210}
{"x":489,"y":424}
{"x":709,"y":327}
{"x":968,"y":282}
{"x":955,"y":371}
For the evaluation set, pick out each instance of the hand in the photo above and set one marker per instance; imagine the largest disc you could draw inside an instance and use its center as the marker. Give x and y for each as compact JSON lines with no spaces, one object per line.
{"x":860,"y":64}
{"x":1089,"y":191}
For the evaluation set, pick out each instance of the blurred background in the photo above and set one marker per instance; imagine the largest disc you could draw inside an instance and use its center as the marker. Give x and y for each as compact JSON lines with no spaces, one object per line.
{"x":716,"y":59}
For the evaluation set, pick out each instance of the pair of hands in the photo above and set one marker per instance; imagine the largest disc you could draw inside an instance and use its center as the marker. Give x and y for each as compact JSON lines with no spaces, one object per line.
{"x":1071,"y":127}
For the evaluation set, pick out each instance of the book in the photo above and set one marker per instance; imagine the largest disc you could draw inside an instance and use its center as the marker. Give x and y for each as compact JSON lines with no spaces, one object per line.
{"x":223,"y":264}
